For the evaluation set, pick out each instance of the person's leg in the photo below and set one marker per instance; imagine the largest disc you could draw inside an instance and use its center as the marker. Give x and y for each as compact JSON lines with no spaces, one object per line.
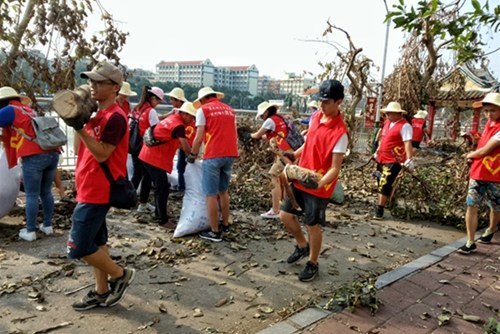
{"x":145,"y":184}
{"x":213,"y":212}
{"x":161,"y":190}
{"x":276,"y":193}
{"x":494,"y":218}
{"x":315,"y":234}
{"x":138,"y":170}
{"x":225,"y":178}
{"x":58,"y":183}
{"x":32,"y":180}
{"x":471,"y":222}
{"x":292,"y":225}
{"x":388,"y":175}
{"x":51,"y":160}
{"x":181,"y":168}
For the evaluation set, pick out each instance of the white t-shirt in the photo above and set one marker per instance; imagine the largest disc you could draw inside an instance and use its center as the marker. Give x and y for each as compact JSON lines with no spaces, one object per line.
{"x":269,"y":124}
{"x":153,"y":117}
{"x":406,"y":131}
{"x":200,"y":118}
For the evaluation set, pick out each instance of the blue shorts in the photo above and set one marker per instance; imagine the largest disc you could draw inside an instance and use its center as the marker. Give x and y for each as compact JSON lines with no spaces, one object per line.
{"x":313,"y":207}
{"x":216,"y":174}
{"x":483,"y":190}
{"x":88,"y":230}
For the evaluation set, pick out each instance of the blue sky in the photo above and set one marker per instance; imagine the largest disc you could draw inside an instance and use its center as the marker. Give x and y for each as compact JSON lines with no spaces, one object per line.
{"x":275,"y":36}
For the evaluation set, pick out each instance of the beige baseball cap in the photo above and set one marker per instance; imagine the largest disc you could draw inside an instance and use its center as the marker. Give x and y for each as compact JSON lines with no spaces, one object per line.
{"x":104,"y":71}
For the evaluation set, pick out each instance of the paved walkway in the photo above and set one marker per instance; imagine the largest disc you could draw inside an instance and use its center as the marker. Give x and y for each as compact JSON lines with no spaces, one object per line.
{"x":443,"y":284}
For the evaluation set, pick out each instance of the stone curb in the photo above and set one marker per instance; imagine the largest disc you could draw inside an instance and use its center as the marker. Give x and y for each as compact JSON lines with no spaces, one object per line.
{"x":305,"y":318}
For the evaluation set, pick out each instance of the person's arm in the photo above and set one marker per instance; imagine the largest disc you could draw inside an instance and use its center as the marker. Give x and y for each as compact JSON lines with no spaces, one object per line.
{"x":198,"y":139}
{"x":7,"y":115}
{"x":153,"y":117}
{"x":485,"y":150}
{"x":184,"y":145}
{"x":258,"y":135}
{"x":112,"y":135}
{"x":408,"y":150}
{"x":334,"y":170}
{"x":76,"y":141}
{"x":180,"y":133}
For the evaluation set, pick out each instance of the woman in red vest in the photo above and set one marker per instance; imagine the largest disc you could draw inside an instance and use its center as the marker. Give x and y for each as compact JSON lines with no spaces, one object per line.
{"x":484,"y":183}
{"x":170,"y":134}
{"x":123,"y":95}
{"x":394,"y":150}
{"x":274,"y":126}
{"x":38,"y":166}
{"x":419,"y":129}
{"x":145,"y":112}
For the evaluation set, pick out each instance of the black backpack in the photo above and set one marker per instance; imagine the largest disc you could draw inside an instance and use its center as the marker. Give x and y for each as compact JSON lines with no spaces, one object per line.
{"x":294,"y":138}
{"x":135,"y":139}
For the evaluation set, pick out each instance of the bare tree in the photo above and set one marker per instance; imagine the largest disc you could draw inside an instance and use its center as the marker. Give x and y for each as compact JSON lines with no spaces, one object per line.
{"x":58,"y":29}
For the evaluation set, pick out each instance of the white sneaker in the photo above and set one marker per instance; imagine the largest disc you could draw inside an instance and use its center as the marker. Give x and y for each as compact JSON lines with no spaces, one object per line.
{"x":271,"y":214}
{"x":47,"y":230}
{"x":25,"y":235}
{"x":150,"y":207}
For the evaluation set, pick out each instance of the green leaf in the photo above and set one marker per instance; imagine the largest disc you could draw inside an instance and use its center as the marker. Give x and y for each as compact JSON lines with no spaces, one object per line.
{"x":476,"y":5}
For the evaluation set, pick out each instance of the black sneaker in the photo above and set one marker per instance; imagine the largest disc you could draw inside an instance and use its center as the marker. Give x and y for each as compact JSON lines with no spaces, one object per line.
{"x":298,"y":254}
{"x":309,"y":272}
{"x":379,"y":213}
{"x":210,"y":235}
{"x":91,"y":300}
{"x":119,"y":287}
{"x":467,"y":250}
{"x":223,"y":228}
{"x":485,"y":239}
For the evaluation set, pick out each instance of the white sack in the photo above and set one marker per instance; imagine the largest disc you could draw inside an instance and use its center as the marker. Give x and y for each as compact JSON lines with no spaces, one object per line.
{"x":194,"y":217}
{"x":10,"y":180}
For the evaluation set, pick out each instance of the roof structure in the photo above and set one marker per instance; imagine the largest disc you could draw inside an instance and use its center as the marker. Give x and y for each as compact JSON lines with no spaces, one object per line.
{"x":478,"y":82}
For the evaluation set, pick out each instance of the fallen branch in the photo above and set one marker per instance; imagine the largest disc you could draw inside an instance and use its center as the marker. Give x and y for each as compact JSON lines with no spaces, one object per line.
{"x":51,"y":328}
{"x":21,"y":319}
{"x":79,"y":289}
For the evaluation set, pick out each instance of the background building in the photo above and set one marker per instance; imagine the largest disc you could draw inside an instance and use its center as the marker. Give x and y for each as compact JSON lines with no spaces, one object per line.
{"x":200,"y":73}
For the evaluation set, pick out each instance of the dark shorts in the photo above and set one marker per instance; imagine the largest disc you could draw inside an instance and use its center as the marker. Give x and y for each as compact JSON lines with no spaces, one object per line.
{"x":313,"y":207}
{"x":388,"y":174}
{"x":415,"y":144}
{"x":88,"y":230}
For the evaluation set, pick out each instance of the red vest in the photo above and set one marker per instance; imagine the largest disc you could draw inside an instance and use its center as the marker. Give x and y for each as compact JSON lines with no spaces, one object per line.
{"x":418,"y":129}
{"x":220,"y":130}
{"x":92,"y":186}
{"x":125,"y":107}
{"x":317,"y":152}
{"x":16,"y":145}
{"x":162,"y":156}
{"x":143,"y":115}
{"x":190,"y":132}
{"x":392,"y":148}
{"x":280,"y":132}
{"x":488,"y":167}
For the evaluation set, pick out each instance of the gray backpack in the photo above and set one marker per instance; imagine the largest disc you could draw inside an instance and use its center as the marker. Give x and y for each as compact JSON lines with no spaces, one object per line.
{"x":48,"y":134}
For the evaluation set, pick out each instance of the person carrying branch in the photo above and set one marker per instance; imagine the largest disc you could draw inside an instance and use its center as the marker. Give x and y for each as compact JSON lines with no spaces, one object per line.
{"x":274,"y":126}
{"x":394,"y":151}
{"x":322,"y":154}
{"x":484,"y":182}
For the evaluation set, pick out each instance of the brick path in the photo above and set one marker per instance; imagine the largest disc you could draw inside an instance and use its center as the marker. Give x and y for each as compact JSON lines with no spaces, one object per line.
{"x":443,"y":282}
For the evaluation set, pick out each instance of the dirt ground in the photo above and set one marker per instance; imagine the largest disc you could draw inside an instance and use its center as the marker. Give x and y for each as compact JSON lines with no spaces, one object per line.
{"x":241,"y":285}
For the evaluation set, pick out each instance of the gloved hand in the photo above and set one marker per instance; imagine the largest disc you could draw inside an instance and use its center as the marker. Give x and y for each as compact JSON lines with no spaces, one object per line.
{"x":191,"y":158}
{"x":309,"y":183}
{"x":289,"y":155}
{"x":246,"y":137}
{"x":409,"y":164}
{"x":76,"y":123}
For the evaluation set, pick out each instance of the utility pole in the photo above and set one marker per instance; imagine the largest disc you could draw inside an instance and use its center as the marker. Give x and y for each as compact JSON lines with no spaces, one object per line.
{"x":381,"y":86}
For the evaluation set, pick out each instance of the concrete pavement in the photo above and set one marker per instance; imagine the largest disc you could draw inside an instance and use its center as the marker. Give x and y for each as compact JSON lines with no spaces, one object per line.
{"x":442,"y":285}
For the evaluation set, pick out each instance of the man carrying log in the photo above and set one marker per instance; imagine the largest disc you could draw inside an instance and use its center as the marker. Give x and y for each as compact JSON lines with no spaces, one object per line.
{"x":321,"y":157}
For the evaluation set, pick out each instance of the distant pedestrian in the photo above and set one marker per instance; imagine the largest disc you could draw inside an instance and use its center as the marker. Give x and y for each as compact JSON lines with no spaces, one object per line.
{"x":274,"y":126}
{"x":484,"y":182}
{"x":312,"y":107}
{"x":419,"y":125}
{"x":103,"y":140}
{"x":38,"y":166}
{"x":323,"y":152}
{"x":216,"y":128}
{"x":394,"y":150}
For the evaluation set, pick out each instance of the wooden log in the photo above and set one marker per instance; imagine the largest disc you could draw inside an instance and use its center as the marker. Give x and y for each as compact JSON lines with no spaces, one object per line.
{"x":70,"y":104}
